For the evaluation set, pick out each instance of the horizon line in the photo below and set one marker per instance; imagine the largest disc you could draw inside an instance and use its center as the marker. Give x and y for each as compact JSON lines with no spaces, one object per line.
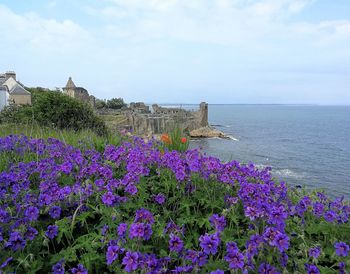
{"x":252,"y":104}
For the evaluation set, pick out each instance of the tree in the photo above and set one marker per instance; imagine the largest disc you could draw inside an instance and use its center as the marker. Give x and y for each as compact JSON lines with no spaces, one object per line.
{"x":99,"y":104}
{"x":116,"y":103}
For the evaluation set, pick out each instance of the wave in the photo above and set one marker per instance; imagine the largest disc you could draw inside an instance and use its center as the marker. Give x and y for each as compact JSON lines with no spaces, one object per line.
{"x":262,"y":166}
{"x":287,"y":173}
{"x":232,"y":138}
{"x":218,"y":125}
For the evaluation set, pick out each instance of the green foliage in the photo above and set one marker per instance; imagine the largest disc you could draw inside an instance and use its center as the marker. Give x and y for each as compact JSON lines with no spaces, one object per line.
{"x":176,"y":140}
{"x":100,"y":104}
{"x":54,"y":109}
{"x":115,"y":103}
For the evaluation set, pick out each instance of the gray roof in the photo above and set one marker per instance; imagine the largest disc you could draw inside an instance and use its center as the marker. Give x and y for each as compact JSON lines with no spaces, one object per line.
{"x":70,"y":83}
{"x":19,"y":90}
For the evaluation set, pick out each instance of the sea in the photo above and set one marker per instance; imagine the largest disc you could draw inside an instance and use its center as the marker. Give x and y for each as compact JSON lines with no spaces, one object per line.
{"x":305,"y":145}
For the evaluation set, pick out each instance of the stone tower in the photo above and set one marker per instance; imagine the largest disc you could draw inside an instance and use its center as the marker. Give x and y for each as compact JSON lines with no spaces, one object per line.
{"x":203,"y":114}
{"x":70,"y":88}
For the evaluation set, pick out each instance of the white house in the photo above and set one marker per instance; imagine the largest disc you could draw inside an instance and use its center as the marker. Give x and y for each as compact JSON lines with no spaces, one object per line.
{"x":12,"y":91}
{"x":4,"y":94}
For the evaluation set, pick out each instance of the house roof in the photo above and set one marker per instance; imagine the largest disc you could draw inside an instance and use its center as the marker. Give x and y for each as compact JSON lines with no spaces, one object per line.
{"x":70,"y":83}
{"x":19,"y":90}
{"x":10,"y":83}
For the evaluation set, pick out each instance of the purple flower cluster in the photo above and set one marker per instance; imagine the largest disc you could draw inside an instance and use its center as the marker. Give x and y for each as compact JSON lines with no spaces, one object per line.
{"x":65,"y":182}
{"x":218,"y":222}
{"x":342,"y":249}
{"x":209,"y":243}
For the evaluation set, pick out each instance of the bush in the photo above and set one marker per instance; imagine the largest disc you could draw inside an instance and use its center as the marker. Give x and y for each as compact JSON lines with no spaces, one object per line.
{"x":100,"y":104}
{"x":135,"y":209}
{"x":54,"y":109}
{"x":115,"y":103}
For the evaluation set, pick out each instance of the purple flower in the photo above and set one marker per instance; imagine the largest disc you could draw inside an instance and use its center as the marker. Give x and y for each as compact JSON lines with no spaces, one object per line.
{"x":137,"y":230}
{"x":341,"y":266}
{"x":265,"y":268}
{"x":16,"y":241}
{"x":318,"y":209}
{"x":235,"y":259}
{"x":209,"y":243}
{"x":112,"y":253}
{"x":311,"y":269}
{"x":277,"y":215}
{"x":159,"y":198}
{"x":330,"y":216}
{"x":55,"y":212}
{"x":202,"y":259}
{"x":104,"y":230}
{"x":183,"y":269}
{"x":144,"y":215}
{"x":140,"y":230}
{"x":218,"y":271}
{"x":218,"y":222}
{"x":341,"y":249}
{"x":314,"y":252}
{"x":58,"y":268}
{"x":4,"y":216}
{"x":5,"y":263}
{"x":231,"y":200}
{"x":31,"y":233}
{"x":284,"y":259}
{"x":32,"y":213}
{"x":231,"y":247}
{"x":109,"y":198}
{"x":121,"y":230}
{"x":131,"y":189}
{"x":80,"y":269}
{"x":131,"y":261}
{"x":148,"y":232}
{"x":175,"y":243}
{"x":281,"y":242}
{"x":52,"y":231}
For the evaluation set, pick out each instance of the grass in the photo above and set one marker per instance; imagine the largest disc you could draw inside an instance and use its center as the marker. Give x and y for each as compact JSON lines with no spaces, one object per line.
{"x":74,"y":138}
{"x":113,"y":122}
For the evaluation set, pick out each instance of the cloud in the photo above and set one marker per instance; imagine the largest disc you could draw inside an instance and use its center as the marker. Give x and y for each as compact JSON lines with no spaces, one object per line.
{"x":138,"y":49}
{"x":248,"y":23}
{"x":40,"y":34}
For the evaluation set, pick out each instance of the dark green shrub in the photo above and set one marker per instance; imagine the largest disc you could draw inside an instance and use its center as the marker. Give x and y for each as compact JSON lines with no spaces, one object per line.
{"x":54,"y":109}
{"x":115,"y":103}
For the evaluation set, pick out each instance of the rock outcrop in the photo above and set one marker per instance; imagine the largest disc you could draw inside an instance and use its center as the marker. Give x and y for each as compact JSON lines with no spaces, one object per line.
{"x":207,"y":132}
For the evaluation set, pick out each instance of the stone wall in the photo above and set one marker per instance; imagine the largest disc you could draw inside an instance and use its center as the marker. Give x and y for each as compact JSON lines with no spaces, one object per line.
{"x":163,"y":120}
{"x":21,"y":99}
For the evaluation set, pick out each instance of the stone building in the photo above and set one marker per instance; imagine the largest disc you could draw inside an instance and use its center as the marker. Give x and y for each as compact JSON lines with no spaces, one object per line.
{"x":142,"y":121}
{"x":78,"y":92}
{"x":12,"y":91}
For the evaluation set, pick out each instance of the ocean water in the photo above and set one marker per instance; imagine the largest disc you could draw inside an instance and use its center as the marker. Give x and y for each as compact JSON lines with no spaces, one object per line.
{"x":304,"y":145}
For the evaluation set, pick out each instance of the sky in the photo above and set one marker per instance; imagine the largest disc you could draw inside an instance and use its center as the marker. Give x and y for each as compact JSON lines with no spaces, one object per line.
{"x":183,"y":51}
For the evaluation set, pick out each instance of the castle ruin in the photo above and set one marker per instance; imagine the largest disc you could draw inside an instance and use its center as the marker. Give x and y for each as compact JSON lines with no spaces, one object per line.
{"x":78,"y":93}
{"x":142,"y":121}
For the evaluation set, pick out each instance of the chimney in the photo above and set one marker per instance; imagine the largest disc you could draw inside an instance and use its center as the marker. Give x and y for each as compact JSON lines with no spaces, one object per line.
{"x":9,"y":74}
